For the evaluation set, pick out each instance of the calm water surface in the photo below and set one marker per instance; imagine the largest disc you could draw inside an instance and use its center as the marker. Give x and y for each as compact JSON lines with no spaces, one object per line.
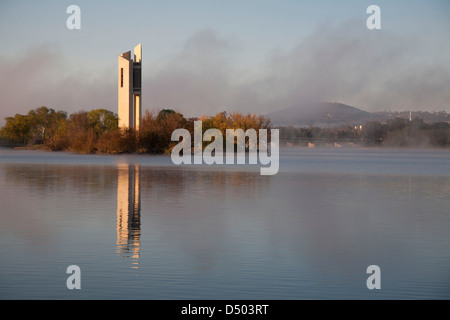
{"x":140,"y":227}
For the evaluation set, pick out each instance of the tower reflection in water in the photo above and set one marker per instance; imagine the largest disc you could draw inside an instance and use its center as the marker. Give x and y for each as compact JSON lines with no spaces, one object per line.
{"x":128,"y":213}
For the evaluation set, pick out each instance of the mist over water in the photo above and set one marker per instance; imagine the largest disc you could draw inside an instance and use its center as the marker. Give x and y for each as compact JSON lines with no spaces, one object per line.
{"x":140,"y":227}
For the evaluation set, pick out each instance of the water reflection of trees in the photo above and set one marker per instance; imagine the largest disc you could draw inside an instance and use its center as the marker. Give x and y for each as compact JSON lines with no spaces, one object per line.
{"x":210,"y":182}
{"x":197,"y":194}
{"x":51,"y":178}
{"x":44,"y":178}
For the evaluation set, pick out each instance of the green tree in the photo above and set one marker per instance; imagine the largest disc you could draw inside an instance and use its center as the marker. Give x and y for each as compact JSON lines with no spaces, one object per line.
{"x":165,"y":113}
{"x":32,"y":128}
{"x":102,"y":120}
{"x":17,"y":129}
{"x":42,"y":119}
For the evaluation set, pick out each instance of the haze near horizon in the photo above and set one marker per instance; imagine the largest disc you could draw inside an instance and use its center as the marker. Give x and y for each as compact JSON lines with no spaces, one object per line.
{"x":207,"y":56}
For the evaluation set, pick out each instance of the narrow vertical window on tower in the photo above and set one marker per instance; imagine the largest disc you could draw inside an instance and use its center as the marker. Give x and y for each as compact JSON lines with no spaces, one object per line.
{"x":121,"y":77}
{"x":137,"y":78}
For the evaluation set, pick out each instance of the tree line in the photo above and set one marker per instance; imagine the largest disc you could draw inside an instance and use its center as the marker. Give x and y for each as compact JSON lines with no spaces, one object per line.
{"x":97,"y":131}
{"x":397,"y":132}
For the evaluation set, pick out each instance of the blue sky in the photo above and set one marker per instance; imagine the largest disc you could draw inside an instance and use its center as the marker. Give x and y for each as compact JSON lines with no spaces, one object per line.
{"x":201,"y":57}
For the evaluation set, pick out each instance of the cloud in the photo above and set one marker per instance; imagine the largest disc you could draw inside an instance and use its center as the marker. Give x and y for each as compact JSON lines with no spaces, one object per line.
{"x":372,"y":70}
{"x":40,"y":76}
{"x":368,"y":69}
{"x":198,"y":79}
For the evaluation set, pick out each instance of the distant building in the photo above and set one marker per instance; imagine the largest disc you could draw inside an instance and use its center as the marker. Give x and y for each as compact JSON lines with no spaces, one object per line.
{"x":129,"y":89}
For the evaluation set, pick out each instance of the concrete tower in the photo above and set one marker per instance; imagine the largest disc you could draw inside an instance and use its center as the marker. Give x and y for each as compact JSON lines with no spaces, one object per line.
{"x":129,"y":97}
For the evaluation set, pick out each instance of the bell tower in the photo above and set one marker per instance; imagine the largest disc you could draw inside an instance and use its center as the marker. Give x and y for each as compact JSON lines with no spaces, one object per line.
{"x":129,"y":89}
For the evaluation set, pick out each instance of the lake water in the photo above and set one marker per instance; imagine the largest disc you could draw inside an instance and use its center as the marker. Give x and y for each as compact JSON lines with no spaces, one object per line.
{"x":140,"y":227}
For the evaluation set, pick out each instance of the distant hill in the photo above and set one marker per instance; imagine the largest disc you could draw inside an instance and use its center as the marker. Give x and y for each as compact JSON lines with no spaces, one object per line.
{"x":321,"y":114}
